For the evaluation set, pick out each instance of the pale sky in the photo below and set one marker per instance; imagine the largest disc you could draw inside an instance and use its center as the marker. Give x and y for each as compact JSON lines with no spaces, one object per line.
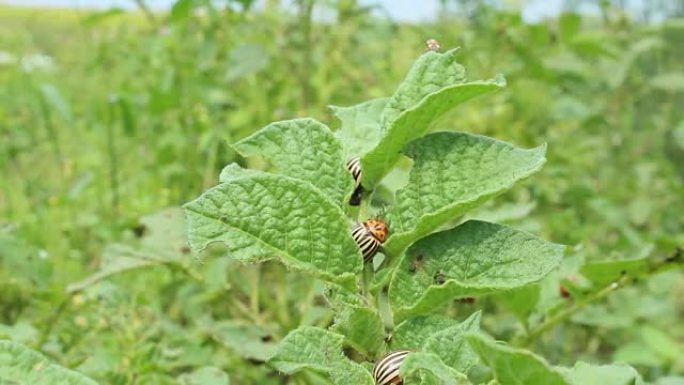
{"x":408,"y":10}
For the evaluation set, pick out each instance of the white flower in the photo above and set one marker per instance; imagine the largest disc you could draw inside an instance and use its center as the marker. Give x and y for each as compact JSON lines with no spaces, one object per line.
{"x":37,"y":62}
{"x":6,"y":58}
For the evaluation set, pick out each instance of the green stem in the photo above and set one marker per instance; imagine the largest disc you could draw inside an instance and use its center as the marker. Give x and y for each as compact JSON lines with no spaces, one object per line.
{"x":367,"y":279}
{"x":210,"y":169}
{"x":309,"y":300}
{"x":113,"y":160}
{"x":569,"y":312}
{"x":50,"y":325}
{"x":188,"y":271}
{"x":254,"y":295}
{"x":146,"y":10}
{"x":676,"y":260}
{"x":363,"y":209}
{"x":282,"y":300}
{"x":52,"y":132}
{"x":305,"y":23}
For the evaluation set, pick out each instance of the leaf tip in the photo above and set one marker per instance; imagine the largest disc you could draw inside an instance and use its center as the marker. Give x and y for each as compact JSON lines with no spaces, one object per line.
{"x":453,"y":51}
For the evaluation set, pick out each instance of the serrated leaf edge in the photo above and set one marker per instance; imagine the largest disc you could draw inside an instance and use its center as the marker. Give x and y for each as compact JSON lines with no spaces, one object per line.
{"x":487,"y":340}
{"x":497,"y":82}
{"x":403,"y":312}
{"x":344,"y":280}
{"x":404,"y":239}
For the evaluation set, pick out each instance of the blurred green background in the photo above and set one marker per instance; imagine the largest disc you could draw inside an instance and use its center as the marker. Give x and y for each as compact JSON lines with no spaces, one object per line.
{"x":110,"y":116}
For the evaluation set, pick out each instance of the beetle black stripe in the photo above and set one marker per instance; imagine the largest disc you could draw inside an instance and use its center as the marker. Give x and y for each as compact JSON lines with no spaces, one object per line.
{"x":387,"y":369}
{"x":366,"y":242}
{"x":359,"y":233}
{"x":369,"y":250}
{"x":354,"y":166}
{"x":391,"y":363}
{"x":368,"y":247}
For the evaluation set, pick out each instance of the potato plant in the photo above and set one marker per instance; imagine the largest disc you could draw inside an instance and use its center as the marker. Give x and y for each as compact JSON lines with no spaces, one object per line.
{"x":298,"y":213}
{"x":125,"y":302}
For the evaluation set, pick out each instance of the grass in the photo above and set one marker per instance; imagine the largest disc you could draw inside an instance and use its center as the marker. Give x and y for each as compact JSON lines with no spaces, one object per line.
{"x":136,"y":116}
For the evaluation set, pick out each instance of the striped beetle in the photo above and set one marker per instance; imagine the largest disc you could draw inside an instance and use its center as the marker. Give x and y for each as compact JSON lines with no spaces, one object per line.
{"x":354,"y":167}
{"x":369,"y":236}
{"x":386,"y":371}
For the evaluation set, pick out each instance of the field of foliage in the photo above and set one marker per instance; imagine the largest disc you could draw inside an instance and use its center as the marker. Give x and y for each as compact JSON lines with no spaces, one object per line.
{"x":112,"y":121}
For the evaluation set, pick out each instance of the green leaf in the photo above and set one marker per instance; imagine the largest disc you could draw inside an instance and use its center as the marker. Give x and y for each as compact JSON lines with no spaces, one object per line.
{"x":234,"y":171}
{"x":473,"y":258}
{"x":443,"y":336}
{"x":356,"y":320}
{"x":320,"y":350}
{"x":303,"y":149}
{"x":164,"y":242}
{"x":53,"y":98}
{"x":26,"y":263}
{"x":452,"y":173}
{"x":339,"y":297}
{"x":246,"y":59}
{"x":264,"y":216}
{"x":432,"y":72}
{"x":362,"y":327}
{"x":101,"y":16}
{"x":616,"y":216}
{"x":165,"y":234}
{"x":413,"y":122}
{"x":412,"y":333}
{"x":662,"y":343}
{"x":116,"y":259}
{"x":670,"y":82}
{"x":21,"y":332}
{"x":181,"y":10}
{"x":207,"y":375}
{"x":638,"y":353}
{"x":451,"y":346}
{"x":428,"y":369}
{"x":606,"y":271}
{"x":521,"y":301}
{"x":670,"y":380}
{"x":21,"y":365}
{"x":617,"y":374}
{"x":360,"y":130}
{"x":515,"y":366}
{"x":506,"y":212}
{"x":247,"y":340}
{"x":569,"y":24}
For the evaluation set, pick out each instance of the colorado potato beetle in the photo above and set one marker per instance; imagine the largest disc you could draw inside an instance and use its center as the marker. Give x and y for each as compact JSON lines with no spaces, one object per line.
{"x":354,"y":167}
{"x":369,"y":236}
{"x":386,"y":371}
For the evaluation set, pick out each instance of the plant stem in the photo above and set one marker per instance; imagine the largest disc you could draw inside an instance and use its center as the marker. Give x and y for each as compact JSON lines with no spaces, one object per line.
{"x":367,"y":278}
{"x":305,"y":21}
{"x":209,"y":178}
{"x":52,"y":132}
{"x":146,"y":10}
{"x":113,"y":160}
{"x":281,"y":300}
{"x":569,"y":312}
{"x":187,"y":270}
{"x":671,"y":262}
{"x":254,"y":296}
{"x":53,"y":321}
